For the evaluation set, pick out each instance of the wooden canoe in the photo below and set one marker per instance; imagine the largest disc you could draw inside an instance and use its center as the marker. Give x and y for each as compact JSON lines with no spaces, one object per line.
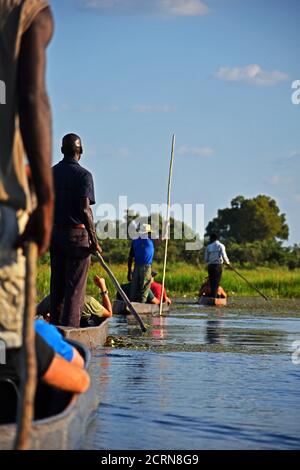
{"x":211,"y":301}
{"x":63,"y":417}
{"x":119,"y":308}
{"x":92,"y":336}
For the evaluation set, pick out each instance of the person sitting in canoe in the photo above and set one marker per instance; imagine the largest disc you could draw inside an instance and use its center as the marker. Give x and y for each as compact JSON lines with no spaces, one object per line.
{"x":55,"y":339}
{"x":52,"y":369}
{"x":93,"y":312}
{"x":126,"y":288}
{"x":154,"y":295}
{"x":156,"y":288}
{"x":205,"y":290}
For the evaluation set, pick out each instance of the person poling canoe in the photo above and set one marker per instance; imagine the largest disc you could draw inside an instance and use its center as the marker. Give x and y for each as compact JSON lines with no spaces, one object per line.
{"x":74,"y":236}
{"x":23,"y":63}
{"x":26,"y":29}
{"x":142,"y":252}
{"x":215,"y":257}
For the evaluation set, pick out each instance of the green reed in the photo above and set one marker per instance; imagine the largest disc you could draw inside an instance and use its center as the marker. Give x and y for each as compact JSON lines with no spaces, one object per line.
{"x":183,"y":279}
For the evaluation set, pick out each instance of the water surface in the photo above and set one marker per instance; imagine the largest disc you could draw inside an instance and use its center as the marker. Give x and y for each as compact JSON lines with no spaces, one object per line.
{"x":201,"y":378}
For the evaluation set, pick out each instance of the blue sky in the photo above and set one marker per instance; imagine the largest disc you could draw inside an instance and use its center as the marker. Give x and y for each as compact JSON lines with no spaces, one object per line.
{"x":126,"y":74}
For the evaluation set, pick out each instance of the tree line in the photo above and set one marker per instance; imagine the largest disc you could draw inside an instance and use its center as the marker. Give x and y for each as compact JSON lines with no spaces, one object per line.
{"x":253,"y":230}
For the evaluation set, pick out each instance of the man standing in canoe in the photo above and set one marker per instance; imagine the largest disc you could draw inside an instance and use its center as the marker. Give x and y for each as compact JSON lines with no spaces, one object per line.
{"x":25,"y":129}
{"x":74,"y":236}
{"x":215,"y":256}
{"x":142,"y":252}
{"x":26,"y":28}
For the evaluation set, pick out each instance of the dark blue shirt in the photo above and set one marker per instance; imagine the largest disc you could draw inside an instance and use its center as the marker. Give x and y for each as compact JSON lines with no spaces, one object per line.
{"x":72,"y":182}
{"x":143,"y":251}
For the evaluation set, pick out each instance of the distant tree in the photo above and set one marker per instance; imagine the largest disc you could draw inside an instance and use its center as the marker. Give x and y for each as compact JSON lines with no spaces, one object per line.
{"x":250,"y":220}
{"x":259,"y":253}
{"x":294,"y":258}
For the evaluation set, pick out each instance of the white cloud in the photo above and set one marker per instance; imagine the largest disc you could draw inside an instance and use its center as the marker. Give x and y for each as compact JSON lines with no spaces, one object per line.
{"x":145,"y":108}
{"x":184,"y":7}
{"x":196,"y":151}
{"x":160,"y":7}
{"x":251,"y":75}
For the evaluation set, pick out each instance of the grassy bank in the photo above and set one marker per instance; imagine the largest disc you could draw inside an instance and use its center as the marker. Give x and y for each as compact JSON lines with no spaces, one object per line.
{"x":183,"y":279}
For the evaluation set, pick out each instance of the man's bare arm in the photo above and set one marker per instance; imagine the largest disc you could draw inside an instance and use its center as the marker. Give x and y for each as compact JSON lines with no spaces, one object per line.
{"x":66,"y":376}
{"x":100,"y":282}
{"x":35,"y":122}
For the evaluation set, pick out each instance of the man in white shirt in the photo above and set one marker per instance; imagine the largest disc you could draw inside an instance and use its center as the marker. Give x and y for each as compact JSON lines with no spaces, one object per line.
{"x":215,"y":256}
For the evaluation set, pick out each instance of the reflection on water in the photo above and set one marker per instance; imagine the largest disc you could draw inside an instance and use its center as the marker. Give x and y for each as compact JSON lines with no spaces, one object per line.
{"x":214,"y":332}
{"x":158,"y":330}
{"x":199,"y":379}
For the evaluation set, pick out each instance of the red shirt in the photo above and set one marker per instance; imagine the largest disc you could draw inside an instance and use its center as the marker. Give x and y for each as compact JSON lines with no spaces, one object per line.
{"x":157,"y":290}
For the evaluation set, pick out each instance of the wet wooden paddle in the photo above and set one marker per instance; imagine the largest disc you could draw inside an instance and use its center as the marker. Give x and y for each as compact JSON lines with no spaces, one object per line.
{"x":246,"y":280}
{"x":121,"y":292}
{"x":25,"y":413}
{"x":168,"y":224}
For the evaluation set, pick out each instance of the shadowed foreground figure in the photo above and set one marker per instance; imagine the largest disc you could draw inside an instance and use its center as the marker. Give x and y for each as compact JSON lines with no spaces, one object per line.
{"x":25,"y":129}
{"x":74,"y":236}
{"x":26,"y":28}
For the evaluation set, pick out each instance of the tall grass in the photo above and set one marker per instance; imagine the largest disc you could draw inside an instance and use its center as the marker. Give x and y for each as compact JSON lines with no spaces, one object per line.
{"x":183,"y":279}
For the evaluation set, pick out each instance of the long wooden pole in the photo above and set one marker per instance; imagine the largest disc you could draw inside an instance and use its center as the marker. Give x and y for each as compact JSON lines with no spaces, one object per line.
{"x":25,"y":414}
{"x":121,"y":292}
{"x":168,"y":224}
{"x":247,"y":282}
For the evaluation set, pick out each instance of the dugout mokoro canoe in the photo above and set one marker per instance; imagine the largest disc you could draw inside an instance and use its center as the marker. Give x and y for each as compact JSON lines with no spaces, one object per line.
{"x":119,"y":308}
{"x":212,"y":301}
{"x":91,"y":336}
{"x":61,"y":417}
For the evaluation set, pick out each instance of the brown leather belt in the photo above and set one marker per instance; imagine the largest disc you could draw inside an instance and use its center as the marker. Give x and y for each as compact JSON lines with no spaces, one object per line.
{"x":66,"y":227}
